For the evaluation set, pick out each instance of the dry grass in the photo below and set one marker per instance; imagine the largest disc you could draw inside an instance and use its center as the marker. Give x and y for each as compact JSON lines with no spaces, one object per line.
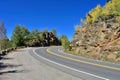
{"x":103,"y":57}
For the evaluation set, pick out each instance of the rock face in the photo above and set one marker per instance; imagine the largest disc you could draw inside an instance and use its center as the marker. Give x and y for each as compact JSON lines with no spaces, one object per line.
{"x":101,"y":38}
{"x":48,"y":38}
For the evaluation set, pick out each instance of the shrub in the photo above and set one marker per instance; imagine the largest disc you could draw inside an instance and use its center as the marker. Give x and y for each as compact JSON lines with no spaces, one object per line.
{"x":118,"y":54}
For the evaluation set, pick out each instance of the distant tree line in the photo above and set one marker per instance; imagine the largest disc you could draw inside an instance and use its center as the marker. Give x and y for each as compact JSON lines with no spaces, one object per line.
{"x":23,"y":37}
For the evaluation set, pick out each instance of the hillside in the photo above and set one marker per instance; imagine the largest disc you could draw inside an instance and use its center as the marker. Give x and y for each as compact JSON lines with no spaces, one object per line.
{"x":99,"y":36}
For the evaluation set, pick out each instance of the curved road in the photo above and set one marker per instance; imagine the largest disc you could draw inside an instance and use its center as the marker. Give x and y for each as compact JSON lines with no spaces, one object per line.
{"x":86,"y":69}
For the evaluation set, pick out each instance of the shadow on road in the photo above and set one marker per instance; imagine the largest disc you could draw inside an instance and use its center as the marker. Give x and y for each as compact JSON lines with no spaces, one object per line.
{"x":6,"y":65}
{"x":5,"y":58}
{"x":11,"y":67}
{"x":11,"y":71}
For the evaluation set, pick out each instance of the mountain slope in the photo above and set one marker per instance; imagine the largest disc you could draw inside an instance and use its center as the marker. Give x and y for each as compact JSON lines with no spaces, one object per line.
{"x":99,"y":36}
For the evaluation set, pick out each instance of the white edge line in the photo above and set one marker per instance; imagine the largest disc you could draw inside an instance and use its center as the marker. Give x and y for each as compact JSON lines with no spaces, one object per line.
{"x":70,"y":67}
{"x":78,"y":57}
{"x":60,"y":51}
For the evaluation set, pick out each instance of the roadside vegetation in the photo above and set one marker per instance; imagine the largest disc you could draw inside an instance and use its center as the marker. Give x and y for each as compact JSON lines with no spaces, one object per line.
{"x":22,"y":37}
{"x":4,"y":41}
{"x":111,"y":9}
{"x":65,"y":42}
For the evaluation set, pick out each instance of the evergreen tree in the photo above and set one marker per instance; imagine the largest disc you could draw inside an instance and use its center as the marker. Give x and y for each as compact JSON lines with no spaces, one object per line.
{"x":19,"y":36}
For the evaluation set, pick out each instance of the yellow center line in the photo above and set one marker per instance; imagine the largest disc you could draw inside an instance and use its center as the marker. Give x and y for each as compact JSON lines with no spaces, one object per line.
{"x":85,"y":62}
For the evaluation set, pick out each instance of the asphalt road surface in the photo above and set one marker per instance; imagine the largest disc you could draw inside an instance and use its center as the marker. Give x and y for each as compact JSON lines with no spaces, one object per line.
{"x":86,"y":69}
{"x":20,"y":65}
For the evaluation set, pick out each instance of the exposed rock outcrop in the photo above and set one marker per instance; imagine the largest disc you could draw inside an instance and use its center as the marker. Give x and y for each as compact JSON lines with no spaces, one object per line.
{"x":48,"y":39}
{"x":102,"y":37}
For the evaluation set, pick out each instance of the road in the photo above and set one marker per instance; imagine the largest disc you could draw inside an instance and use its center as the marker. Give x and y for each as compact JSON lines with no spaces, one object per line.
{"x":20,"y":65}
{"x":86,"y":69}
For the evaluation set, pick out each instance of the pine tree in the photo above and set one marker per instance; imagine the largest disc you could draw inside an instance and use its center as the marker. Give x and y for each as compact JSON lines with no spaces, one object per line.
{"x":19,"y":36}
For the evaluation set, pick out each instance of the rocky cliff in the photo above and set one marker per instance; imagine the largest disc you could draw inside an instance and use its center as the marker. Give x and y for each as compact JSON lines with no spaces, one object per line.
{"x":99,"y":36}
{"x":101,"y":39}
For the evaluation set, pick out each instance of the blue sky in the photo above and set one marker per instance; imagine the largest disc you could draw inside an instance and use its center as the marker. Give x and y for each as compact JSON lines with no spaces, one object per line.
{"x":61,"y":15}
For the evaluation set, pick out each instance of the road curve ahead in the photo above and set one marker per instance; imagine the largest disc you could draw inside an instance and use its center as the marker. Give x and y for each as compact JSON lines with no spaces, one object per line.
{"x":86,"y":69}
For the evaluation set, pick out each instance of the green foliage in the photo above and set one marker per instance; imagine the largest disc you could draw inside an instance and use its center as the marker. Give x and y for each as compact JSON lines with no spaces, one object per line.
{"x":93,"y":15}
{"x":34,"y":38}
{"x":5,"y":44}
{"x":111,"y":8}
{"x":37,"y":38}
{"x":22,"y":37}
{"x":65,"y":42}
{"x":19,"y":36}
{"x":118,"y":55}
{"x":34,"y":34}
{"x":41,"y":37}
